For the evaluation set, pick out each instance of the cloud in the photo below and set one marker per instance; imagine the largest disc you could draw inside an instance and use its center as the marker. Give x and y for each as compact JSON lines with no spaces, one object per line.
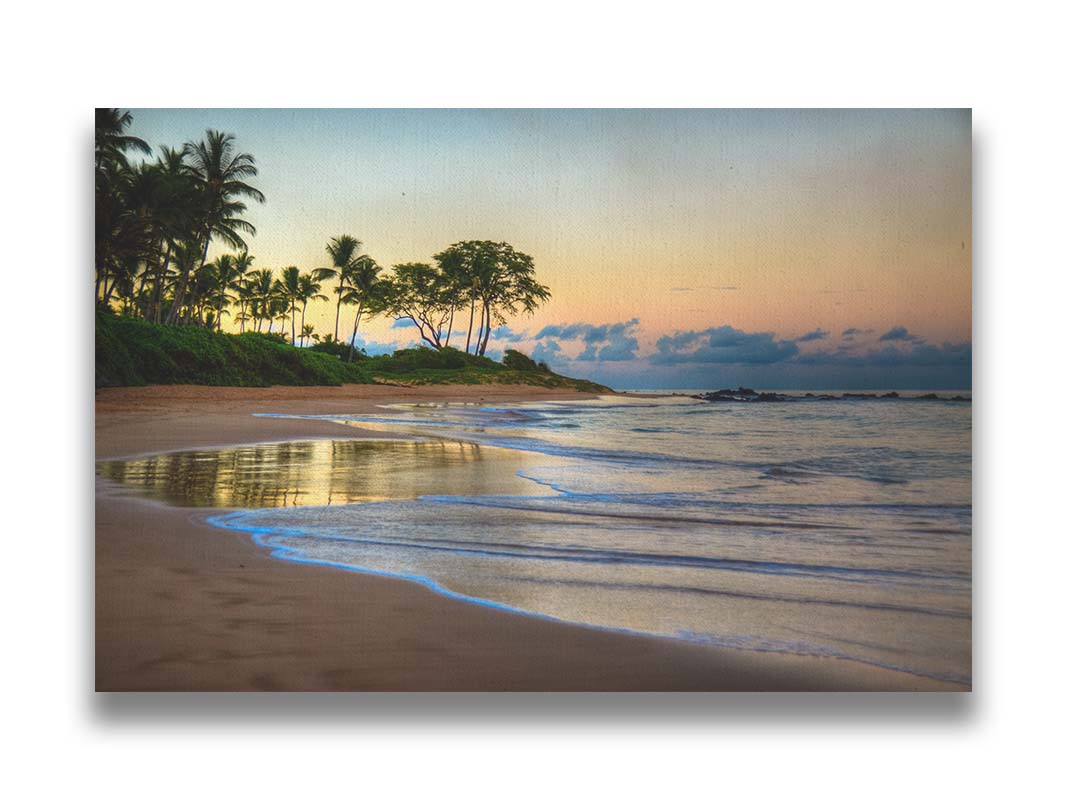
{"x":899,"y":334}
{"x":726,"y":356}
{"x":622,"y":348}
{"x":611,"y":342}
{"x":920,"y":355}
{"x":507,"y":334}
{"x":850,"y":333}
{"x":704,"y":288}
{"x":403,"y":322}
{"x":722,"y":345}
{"x":547,"y":350}
{"x":372,"y":347}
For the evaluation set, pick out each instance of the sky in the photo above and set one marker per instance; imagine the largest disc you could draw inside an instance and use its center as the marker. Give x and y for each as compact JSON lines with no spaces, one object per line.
{"x":788,"y":249}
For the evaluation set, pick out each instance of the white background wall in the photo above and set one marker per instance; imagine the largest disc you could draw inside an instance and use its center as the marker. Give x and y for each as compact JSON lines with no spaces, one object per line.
{"x":1005,"y":61}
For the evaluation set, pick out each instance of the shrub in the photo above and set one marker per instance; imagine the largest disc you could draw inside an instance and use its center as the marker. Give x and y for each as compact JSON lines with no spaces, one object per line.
{"x":424,"y":358}
{"x":513,"y":359}
{"x":132,"y":352}
{"x":337,"y":349}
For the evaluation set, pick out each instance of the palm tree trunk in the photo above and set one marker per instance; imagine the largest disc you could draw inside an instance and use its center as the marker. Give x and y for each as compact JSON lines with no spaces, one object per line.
{"x":303,"y":311}
{"x":337,"y":317}
{"x":470,"y":325}
{"x":352,"y":344}
{"x":481,"y":325}
{"x":488,"y":325}
{"x":179,"y":295}
{"x":161,"y":274}
{"x":292,"y":320}
{"x":108,"y":290}
{"x":142,"y":292}
{"x":451,"y":316}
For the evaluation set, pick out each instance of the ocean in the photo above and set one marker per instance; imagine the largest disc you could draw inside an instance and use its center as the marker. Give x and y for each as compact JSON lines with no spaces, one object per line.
{"x":831,"y":528}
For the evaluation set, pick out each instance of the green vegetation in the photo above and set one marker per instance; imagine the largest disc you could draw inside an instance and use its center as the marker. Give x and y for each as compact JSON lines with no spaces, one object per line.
{"x":513,"y":359}
{"x":156,"y":222}
{"x":132,"y":352}
{"x":162,"y":303}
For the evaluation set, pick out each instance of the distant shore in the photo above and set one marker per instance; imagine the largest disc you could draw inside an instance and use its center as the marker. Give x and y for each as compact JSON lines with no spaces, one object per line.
{"x":181,"y":605}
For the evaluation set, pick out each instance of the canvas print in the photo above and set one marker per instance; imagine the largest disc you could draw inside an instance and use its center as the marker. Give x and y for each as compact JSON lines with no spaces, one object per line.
{"x":533,"y":399}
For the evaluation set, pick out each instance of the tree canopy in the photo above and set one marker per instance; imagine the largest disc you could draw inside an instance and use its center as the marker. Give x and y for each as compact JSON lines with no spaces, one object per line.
{"x":157,"y":220}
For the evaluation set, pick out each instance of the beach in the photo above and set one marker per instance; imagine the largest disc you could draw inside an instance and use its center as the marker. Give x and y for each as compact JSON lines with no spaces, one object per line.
{"x":184,"y":605}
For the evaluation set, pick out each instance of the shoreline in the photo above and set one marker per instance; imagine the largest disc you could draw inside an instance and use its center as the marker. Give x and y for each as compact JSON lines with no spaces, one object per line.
{"x":181,"y":605}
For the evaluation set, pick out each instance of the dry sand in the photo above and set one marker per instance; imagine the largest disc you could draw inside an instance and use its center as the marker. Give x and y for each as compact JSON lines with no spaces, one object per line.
{"x":181,"y":605}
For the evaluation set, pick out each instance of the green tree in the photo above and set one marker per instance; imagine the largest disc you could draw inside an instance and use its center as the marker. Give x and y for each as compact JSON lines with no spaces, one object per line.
{"x":112,"y":141}
{"x":262,"y":295}
{"x":174,"y":218}
{"x":219,"y":176}
{"x":363,"y":292}
{"x":122,"y":231}
{"x":290,"y":289}
{"x":494,"y":278}
{"x":417,"y":292}
{"x":309,"y":288}
{"x":342,"y":251}
{"x":227,"y":285}
{"x":242,"y":263}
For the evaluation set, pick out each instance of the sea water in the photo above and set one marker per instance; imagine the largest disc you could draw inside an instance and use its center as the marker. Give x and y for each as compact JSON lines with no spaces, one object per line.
{"x":830,"y":528}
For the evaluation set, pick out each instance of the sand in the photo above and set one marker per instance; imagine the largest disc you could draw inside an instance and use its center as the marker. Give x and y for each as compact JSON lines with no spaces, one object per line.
{"x":183,"y":606}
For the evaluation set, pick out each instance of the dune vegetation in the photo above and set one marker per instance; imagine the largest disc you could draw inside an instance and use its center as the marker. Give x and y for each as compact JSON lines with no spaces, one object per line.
{"x":133,"y":352}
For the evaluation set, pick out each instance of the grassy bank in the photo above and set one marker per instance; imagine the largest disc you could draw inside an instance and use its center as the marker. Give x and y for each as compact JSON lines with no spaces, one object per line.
{"x":132,"y":352}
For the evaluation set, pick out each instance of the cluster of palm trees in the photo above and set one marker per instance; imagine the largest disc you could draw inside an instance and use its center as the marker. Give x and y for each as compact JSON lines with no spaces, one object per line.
{"x":157,"y":220}
{"x":258,"y":296}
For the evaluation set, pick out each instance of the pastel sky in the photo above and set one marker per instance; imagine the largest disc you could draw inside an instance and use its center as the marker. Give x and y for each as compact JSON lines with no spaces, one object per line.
{"x":683,"y":248}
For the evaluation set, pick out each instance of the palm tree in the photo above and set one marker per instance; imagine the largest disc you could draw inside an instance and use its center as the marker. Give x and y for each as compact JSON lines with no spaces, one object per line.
{"x":182,"y":257}
{"x":363,"y":277}
{"x":227,"y":279}
{"x":111,"y":139}
{"x":309,"y":289}
{"x":203,"y":285}
{"x":174,"y":216}
{"x":342,"y":250}
{"x":307,"y":332}
{"x":290,"y":290}
{"x":242,"y":262}
{"x":219,"y":174}
{"x":261,"y":292}
{"x":278,"y":309}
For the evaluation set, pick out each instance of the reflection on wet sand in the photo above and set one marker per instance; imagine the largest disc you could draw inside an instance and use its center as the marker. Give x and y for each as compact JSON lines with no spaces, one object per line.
{"x":324,"y":472}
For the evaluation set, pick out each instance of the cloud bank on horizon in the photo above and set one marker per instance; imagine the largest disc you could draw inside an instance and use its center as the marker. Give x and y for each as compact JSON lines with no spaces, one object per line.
{"x":724,"y":355}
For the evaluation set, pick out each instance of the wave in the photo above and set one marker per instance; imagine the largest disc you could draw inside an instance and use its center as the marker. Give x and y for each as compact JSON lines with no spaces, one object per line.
{"x":275,"y":539}
{"x":682,"y":518}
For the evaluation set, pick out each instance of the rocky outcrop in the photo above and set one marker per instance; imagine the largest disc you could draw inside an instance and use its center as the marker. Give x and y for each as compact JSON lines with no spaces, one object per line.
{"x":745,"y":395}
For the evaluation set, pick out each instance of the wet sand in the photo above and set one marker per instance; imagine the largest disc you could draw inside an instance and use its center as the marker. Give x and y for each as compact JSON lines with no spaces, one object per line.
{"x":181,"y":605}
